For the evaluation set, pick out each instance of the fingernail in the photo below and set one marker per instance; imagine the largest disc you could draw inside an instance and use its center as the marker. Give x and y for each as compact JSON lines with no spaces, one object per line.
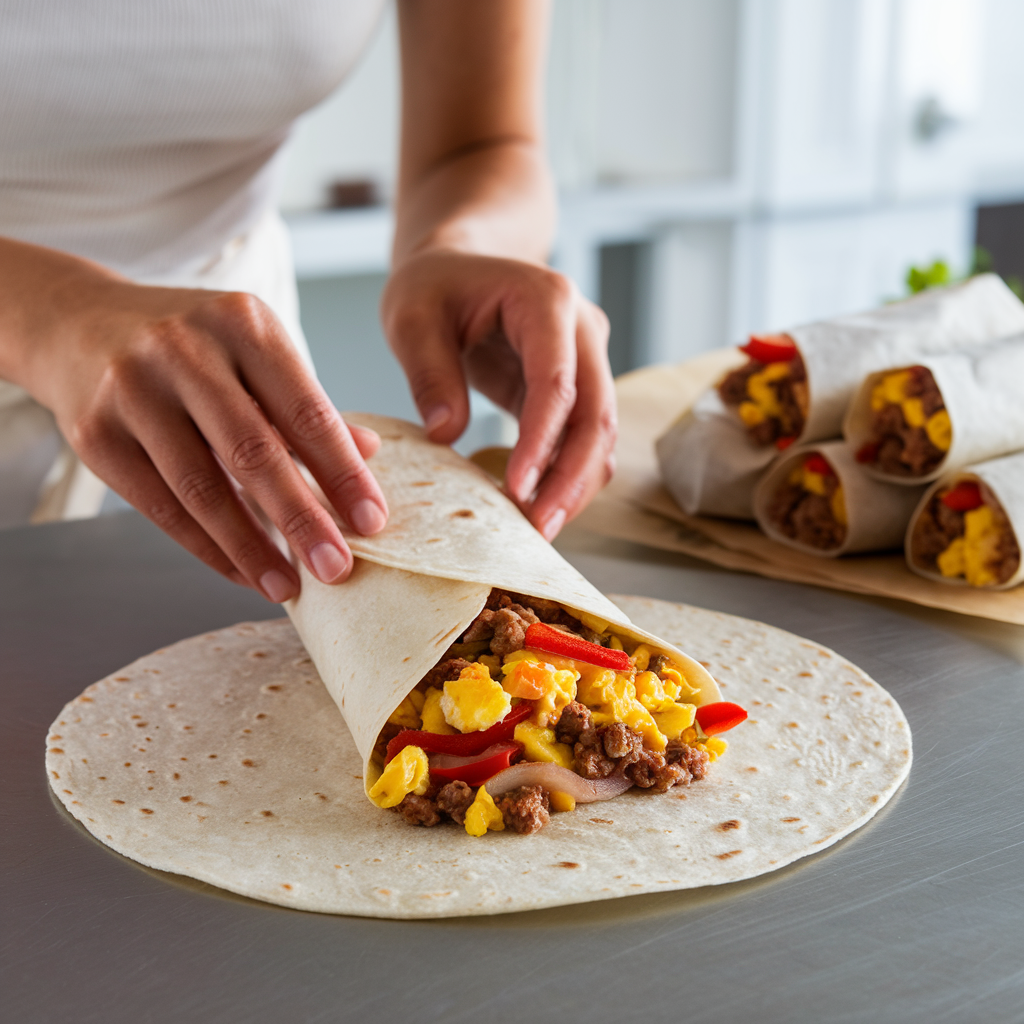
{"x":437,"y":417}
{"x":276,"y":586}
{"x":529,"y":484}
{"x":328,"y":562}
{"x":367,"y":517}
{"x":553,"y":524}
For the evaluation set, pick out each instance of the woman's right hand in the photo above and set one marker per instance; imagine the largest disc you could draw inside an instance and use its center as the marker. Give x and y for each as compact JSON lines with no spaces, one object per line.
{"x":167,"y":394}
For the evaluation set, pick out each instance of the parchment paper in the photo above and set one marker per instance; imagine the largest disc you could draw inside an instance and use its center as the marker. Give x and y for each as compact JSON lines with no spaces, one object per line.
{"x":636,"y":507}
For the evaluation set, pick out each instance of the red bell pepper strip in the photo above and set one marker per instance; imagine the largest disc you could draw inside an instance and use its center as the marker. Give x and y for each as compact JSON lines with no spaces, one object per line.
{"x":477,"y":771}
{"x":719,"y":717}
{"x":770,"y":348}
{"x":542,"y":637}
{"x":965,"y":497}
{"x":819,"y":464}
{"x":867,"y":452}
{"x":461,"y":744}
{"x":782,"y":443}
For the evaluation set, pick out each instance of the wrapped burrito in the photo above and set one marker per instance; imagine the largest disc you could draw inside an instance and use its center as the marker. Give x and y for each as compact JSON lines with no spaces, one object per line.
{"x":795,"y":387}
{"x":969,"y":526}
{"x":484,"y":681}
{"x":816,"y":498}
{"x":914,"y":423}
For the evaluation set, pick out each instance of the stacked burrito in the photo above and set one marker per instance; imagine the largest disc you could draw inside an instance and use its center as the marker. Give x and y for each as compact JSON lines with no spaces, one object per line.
{"x":830,"y":434}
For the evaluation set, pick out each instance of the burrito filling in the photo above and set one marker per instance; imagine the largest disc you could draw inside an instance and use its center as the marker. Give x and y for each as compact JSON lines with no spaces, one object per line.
{"x":769,"y":393}
{"x":535,"y":709}
{"x":910,"y":427}
{"x":963,"y":532}
{"x":809,"y":506}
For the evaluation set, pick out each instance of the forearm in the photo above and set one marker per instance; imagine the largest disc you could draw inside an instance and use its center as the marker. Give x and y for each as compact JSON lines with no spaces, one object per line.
{"x":497,"y":199}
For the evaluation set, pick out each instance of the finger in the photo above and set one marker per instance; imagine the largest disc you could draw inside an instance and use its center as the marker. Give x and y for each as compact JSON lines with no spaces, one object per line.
{"x":366,"y":440}
{"x":543,"y":331}
{"x":298,"y":408}
{"x":585,"y":459}
{"x":120,"y":461}
{"x":184,"y":460}
{"x":433,"y":368}
{"x":253,"y":454}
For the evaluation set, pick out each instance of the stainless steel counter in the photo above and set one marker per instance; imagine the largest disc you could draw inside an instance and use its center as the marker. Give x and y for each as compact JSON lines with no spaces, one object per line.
{"x":918,"y":917}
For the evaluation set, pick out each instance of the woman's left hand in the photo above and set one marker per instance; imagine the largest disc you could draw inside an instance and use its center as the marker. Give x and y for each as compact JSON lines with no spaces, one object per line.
{"x":521,"y":334}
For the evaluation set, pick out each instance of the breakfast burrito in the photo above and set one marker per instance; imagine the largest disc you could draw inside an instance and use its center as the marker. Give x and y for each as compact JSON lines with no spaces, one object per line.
{"x":795,"y":387}
{"x":816,"y":498}
{"x":969,"y":526}
{"x":485,"y":682}
{"x":913,"y":423}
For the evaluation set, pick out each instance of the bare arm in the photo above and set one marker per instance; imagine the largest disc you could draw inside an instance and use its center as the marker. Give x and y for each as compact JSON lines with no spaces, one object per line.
{"x":470,"y":299}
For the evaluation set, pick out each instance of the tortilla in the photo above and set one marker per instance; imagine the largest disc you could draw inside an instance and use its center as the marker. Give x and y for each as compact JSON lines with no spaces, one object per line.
{"x":221,"y":757}
{"x":877,"y":513}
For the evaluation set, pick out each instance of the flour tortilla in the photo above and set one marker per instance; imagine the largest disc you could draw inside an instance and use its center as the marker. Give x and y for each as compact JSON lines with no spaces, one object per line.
{"x":451,"y":537}
{"x":223,"y":758}
{"x":877,"y":513}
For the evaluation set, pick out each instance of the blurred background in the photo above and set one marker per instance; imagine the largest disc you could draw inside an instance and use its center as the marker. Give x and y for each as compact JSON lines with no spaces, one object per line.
{"x":725,"y":166}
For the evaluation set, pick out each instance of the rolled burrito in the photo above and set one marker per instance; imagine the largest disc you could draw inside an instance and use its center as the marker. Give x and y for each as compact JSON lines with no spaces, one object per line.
{"x":816,"y":498}
{"x":485,"y":682}
{"x":914,"y":423}
{"x":969,"y":526}
{"x":795,"y":387}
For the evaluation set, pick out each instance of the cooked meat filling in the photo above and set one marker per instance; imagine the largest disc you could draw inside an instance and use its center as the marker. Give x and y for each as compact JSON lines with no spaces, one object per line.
{"x":809,"y":506}
{"x":770,"y":398}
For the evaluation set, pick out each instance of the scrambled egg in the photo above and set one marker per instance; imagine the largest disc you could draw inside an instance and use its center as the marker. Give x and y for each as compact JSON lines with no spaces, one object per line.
{"x":474,"y":701}
{"x":806,"y":478}
{"x":482,"y":815}
{"x":763,"y":402}
{"x":407,"y":772}
{"x":433,"y":716}
{"x":715,"y":746}
{"x":552,"y":688}
{"x":972,"y":554}
{"x":407,"y":714}
{"x":561,"y":801}
{"x":892,"y":390}
{"x":539,"y":744}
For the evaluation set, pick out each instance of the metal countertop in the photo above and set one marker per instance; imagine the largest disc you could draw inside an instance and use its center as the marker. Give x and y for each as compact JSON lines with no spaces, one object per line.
{"x":917,"y":917}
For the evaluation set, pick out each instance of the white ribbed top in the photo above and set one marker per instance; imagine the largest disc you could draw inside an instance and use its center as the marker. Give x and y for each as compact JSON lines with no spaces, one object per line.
{"x":145,"y":133}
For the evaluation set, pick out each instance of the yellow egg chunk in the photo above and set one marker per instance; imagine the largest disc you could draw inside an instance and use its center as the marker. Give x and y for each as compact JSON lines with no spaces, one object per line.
{"x":596,"y":685}
{"x":592,"y":622}
{"x":913,"y":412}
{"x":814,"y":482}
{"x":406,"y":715}
{"x":407,"y":772}
{"x":561,"y":801}
{"x":433,"y":716}
{"x":676,"y":685}
{"x":474,"y":701}
{"x":751,"y":414}
{"x":539,"y":744}
{"x":482,"y":815}
{"x":951,"y":561}
{"x":674,"y":719}
{"x":641,"y":657}
{"x":715,"y":746}
{"x":981,"y":546}
{"x":538,"y":681}
{"x":893,"y":386}
{"x":838,"y":505}
{"x":492,"y":663}
{"x":615,"y":644}
{"x":939,"y":429}
{"x":761,"y":393}
{"x":650,"y":690}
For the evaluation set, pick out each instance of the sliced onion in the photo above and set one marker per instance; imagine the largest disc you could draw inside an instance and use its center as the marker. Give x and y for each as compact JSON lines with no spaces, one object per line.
{"x":457,"y":761}
{"x":556,"y":778}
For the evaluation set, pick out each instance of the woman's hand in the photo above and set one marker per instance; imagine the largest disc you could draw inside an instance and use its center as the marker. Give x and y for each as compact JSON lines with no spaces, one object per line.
{"x":167,"y":394}
{"x":522,"y":335}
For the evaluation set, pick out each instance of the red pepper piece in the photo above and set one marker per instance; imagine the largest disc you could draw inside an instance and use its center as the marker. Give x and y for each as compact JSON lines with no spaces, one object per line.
{"x":542,"y":637}
{"x":964,"y":497}
{"x":719,"y":717}
{"x":770,"y":348}
{"x":477,"y":772}
{"x":819,"y":464}
{"x":461,"y":744}
{"x":867,"y":452}
{"x":782,"y":443}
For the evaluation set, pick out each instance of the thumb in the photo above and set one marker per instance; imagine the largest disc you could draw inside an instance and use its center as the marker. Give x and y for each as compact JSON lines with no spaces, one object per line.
{"x":436,"y":379}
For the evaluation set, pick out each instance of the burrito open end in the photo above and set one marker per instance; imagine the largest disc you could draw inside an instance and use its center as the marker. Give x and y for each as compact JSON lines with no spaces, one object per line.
{"x":535,"y":708}
{"x":809,"y":504}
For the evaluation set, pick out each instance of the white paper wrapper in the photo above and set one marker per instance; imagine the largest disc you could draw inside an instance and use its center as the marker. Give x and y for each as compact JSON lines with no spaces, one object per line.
{"x":708,"y":463}
{"x":983,"y":390}
{"x":1005,"y":478}
{"x":838,"y":354}
{"x":877,"y":513}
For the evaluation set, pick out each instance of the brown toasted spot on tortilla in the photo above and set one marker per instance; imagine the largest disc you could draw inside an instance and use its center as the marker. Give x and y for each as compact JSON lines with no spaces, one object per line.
{"x":434,"y":540}
{"x":211,"y":756}
{"x":117,"y":801}
{"x":285,"y":885}
{"x":463,"y":513}
{"x":793,"y":725}
{"x":788,"y":820}
{"x":222,"y":782}
{"x":602,"y":821}
{"x":69,"y":793}
{"x":56,"y":750}
{"x":267,"y":814}
{"x":121,"y":679}
{"x":322,"y":797}
{"x":566,"y":864}
{"x":56,"y":775}
{"x":141,"y":725}
{"x":727,"y":826}
{"x":726,"y":856}
{"x":808,"y":675}
{"x":146,"y":810}
{"x":752,"y":768}
{"x":273,"y":686}
{"x":261,"y":715}
{"x":257,"y":654}
{"x":249,"y":763}
{"x":127,"y":764}
{"x":423,"y":483}
{"x":184,"y":799}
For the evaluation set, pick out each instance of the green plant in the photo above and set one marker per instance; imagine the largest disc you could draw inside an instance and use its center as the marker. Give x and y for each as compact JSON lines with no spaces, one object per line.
{"x":920,"y":279}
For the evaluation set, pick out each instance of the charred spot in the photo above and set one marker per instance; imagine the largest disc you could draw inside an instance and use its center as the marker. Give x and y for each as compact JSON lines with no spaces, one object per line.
{"x":727,"y":826}
{"x":463,"y":513}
